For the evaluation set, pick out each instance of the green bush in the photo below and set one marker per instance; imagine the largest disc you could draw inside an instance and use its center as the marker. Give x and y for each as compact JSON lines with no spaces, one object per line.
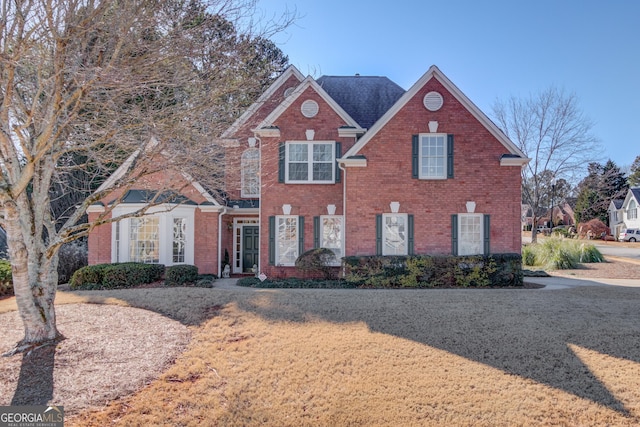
{"x":130,"y":274}
{"x":6,"y":279}
{"x":434,"y":271}
{"x":91,"y":275}
{"x":318,"y":261}
{"x":528,"y":255}
{"x":179,"y":275}
{"x":114,"y":276}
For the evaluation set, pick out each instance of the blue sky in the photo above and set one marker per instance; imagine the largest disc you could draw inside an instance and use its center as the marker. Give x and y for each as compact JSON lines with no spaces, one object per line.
{"x":489,"y":49}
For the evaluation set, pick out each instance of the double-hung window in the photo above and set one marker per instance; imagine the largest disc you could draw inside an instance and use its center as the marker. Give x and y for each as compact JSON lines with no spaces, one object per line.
{"x":632,"y":212}
{"x":144,"y":240}
{"x":287,"y":247}
{"x":394,"y":234}
{"x":432,"y":156}
{"x":250,"y":169}
{"x":310,"y":162}
{"x":470,"y":234}
{"x":331,"y":234}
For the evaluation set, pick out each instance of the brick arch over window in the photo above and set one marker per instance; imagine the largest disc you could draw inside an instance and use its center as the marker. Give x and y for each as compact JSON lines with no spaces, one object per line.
{"x":250,"y":170}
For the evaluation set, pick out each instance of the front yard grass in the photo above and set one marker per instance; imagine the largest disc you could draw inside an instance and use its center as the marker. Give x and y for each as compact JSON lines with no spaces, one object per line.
{"x":391,"y":357}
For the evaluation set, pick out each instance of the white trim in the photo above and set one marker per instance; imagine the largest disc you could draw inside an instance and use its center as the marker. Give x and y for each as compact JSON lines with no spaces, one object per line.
{"x":434,"y":72}
{"x":405,"y":217}
{"x":350,"y":132}
{"x":480,"y":218}
{"x":310,"y":162}
{"x":96,"y":209}
{"x":421,"y":156}
{"x":165,"y":214}
{"x":290,"y":71}
{"x":237,"y":247}
{"x":353,"y":163}
{"x":267,"y":132}
{"x":321,"y":231}
{"x":309,"y":82}
{"x":277,"y":239}
{"x":514,"y":161}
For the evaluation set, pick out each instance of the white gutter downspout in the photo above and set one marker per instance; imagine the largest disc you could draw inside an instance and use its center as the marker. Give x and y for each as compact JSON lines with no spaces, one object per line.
{"x":344,"y":209}
{"x":220,"y":214}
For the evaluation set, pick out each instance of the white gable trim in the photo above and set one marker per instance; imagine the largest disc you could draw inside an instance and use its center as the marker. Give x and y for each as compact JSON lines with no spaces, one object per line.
{"x":434,"y":72}
{"x":309,"y":82}
{"x":290,"y":71}
{"x":627,"y":200}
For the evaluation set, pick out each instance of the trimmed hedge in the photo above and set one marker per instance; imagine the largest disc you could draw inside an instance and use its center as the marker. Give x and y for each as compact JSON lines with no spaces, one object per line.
{"x":179,"y":275}
{"x":423,"y":271}
{"x":114,"y":276}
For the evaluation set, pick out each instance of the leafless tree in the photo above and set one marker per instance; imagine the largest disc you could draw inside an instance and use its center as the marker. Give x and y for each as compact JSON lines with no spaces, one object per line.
{"x":84,"y":84}
{"x":550,"y":128}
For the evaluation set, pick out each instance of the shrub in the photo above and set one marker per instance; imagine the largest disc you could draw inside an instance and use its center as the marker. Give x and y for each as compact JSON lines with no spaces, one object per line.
{"x":559,"y":253}
{"x":113,"y":276}
{"x":130,"y":274}
{"x":91,"y":275}
{"x":179,"y":275}
{"x":72,"y":256}
{"x":595,"y":228}
{"x":434,"y":271}
{"x":6,"y":280}
{"x":318,"y":261}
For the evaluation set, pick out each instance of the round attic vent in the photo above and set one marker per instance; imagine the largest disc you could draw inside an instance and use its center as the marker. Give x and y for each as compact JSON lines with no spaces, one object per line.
{"x":433,"y":101}
{"x":309,"y":108}
{"x":288,"y":91}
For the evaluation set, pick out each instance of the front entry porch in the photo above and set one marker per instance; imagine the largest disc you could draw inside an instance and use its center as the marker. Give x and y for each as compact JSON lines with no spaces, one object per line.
{"x":246,"y":243}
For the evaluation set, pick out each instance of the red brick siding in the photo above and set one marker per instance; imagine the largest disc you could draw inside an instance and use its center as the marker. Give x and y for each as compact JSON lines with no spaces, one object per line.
{"x":306,"y":200}
{"x":478,"y":176}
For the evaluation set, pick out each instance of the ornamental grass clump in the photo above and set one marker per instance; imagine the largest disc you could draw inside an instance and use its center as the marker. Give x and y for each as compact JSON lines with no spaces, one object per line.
{"x":560,"y":254}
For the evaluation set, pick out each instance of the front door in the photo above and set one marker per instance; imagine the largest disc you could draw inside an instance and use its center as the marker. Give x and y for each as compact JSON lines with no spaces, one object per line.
{"x":249,"y":248}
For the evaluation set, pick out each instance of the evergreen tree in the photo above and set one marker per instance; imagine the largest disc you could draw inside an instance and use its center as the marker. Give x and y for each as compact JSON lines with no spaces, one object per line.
{"x":634,"y":175}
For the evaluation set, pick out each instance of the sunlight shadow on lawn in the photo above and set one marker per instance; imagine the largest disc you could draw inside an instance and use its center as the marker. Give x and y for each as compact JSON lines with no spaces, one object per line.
{"x":525,"y":333}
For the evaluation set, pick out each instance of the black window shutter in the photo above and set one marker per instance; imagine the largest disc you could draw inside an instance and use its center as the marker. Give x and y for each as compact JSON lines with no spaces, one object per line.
{"x":454,"y":234}
{"x":410,"y":241}
{"x":379,"y":234}
{"x":415,"y":161}
{"x":316,"y":232}
{"x":338,"y":155}
{"x":487,"y":234}
{"x":281,"y":157}
{"x":450,"y":156}
{"x":300,"y":235}
{"x":272,"y":240}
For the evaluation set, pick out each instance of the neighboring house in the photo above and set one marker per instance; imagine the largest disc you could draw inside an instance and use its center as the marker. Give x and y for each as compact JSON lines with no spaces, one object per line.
{"x":354,"y":164}
{"x":630,"y":208}
{"x":616,"y":215}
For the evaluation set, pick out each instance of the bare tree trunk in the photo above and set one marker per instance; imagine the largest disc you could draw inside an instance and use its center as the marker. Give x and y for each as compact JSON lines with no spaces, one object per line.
{"x":34,"y":283}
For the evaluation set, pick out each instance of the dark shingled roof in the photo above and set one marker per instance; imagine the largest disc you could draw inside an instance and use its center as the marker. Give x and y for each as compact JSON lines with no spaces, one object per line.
{"x":364,"y":98}
{"x":145,"y":196}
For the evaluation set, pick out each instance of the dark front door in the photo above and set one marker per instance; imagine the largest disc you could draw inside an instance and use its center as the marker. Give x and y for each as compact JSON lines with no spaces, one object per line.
{"x":249,"y":247}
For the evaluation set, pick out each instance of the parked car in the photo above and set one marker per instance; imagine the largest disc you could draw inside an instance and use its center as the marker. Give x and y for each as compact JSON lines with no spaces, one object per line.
{"x":630,"y":235}
{"x":544,"y":230}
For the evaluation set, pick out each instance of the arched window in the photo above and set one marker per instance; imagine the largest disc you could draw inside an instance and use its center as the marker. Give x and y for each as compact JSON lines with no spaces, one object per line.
{"x":250,"y":166}
{"x":632,"y":212}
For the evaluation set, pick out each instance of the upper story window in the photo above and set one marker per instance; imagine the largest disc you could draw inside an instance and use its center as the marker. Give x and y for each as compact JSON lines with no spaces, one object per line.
{"x":432,"y":156}
{"x":250,"y":167}
{"x":310,"y":162}
{"x":632,"y":212}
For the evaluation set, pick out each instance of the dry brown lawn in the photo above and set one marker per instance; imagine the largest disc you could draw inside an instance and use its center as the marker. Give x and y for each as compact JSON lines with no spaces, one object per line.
{"x":353,"y":357}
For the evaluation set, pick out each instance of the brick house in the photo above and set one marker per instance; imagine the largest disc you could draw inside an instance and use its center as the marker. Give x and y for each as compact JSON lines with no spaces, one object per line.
{"x":355,"y":164}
